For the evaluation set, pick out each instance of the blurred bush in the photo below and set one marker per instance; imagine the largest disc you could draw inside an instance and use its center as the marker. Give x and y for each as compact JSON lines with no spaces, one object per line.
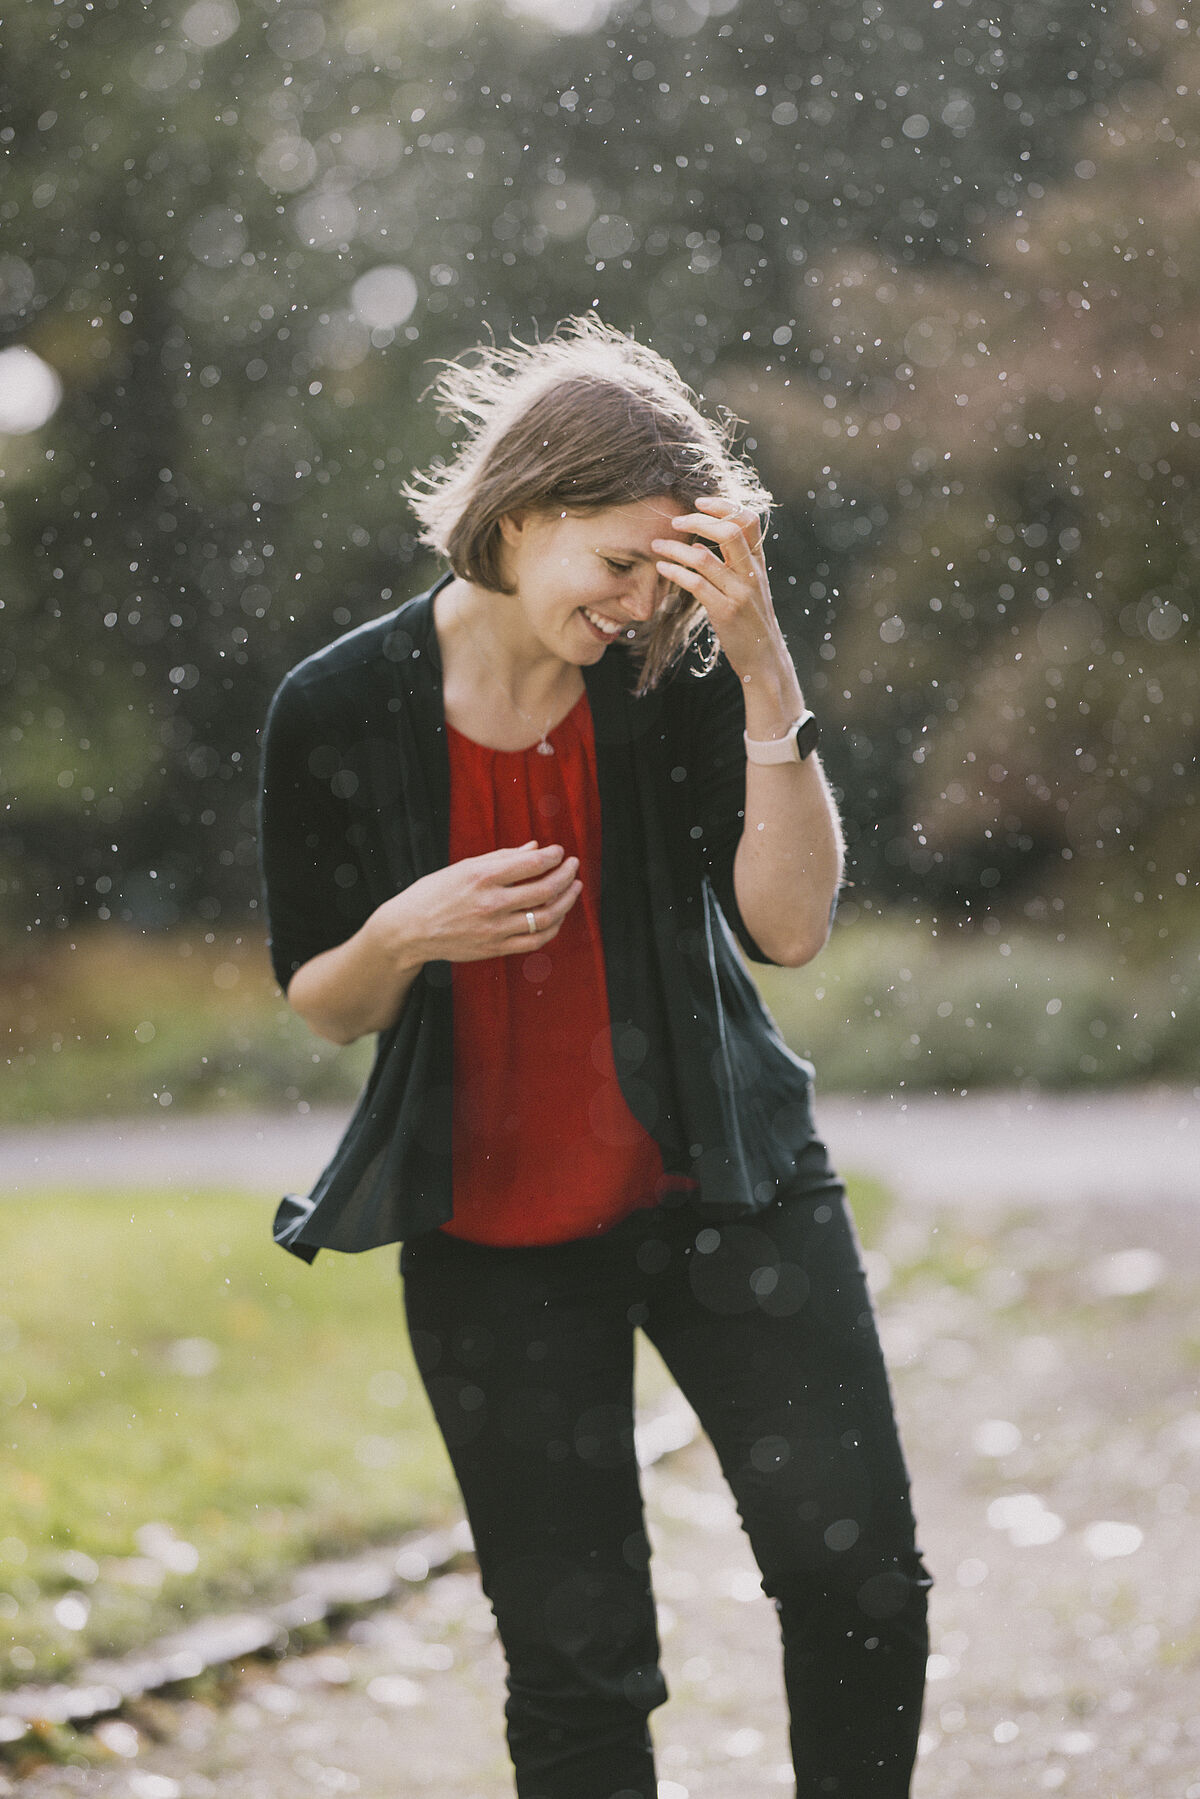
{"x":118,"y":1024}
{"x":890,"y":1005}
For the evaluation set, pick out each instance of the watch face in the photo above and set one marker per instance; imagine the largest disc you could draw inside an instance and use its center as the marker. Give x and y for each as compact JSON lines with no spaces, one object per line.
{"x":808,"y":736}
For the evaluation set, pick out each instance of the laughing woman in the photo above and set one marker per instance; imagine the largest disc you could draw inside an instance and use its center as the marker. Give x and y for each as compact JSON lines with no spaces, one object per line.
{"x":516,"y":828}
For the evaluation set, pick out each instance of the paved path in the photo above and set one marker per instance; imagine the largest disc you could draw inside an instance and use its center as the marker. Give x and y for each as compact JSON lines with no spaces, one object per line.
{"x":1052,"y":1419}
{"x":1132,"y":1145}
{"x":1053,"y":1424}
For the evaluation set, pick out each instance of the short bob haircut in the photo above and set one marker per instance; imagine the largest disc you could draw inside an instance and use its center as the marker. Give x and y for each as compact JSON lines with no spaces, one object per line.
{"x":585,"y":419}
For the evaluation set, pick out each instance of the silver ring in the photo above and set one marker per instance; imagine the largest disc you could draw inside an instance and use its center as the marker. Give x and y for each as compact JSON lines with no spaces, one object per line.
{"x":531,"y":921}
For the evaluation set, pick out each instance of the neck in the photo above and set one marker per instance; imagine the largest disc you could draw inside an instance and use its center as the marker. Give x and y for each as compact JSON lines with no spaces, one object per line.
{"x":494,"y":638}
{"x":498,"y":688}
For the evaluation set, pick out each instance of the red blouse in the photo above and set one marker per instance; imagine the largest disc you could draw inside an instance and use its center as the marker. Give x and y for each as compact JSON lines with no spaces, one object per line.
{"x":545,"y":1146}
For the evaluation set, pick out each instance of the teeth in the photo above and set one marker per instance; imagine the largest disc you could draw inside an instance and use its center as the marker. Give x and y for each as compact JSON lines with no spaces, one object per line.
{"x":602,"y":624}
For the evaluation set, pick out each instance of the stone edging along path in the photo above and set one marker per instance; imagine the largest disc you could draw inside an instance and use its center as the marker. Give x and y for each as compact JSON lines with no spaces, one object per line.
{"x":326,"y":1593}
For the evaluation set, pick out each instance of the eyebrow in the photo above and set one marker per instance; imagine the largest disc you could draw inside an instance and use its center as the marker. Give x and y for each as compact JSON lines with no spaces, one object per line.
{"x":627,"y":555}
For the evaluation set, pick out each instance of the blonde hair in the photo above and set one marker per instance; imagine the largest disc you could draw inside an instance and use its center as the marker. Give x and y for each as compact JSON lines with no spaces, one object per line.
{"x":585,"y":419}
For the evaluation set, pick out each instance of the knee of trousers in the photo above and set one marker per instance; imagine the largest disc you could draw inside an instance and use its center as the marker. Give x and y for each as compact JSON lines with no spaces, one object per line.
{"x":865,"y":1596}
{"x":577,"y":1636}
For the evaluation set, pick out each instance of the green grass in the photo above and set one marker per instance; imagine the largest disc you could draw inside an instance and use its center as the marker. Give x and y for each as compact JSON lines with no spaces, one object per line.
{"x":163,"y":1364}
{"x":306,"y":1434}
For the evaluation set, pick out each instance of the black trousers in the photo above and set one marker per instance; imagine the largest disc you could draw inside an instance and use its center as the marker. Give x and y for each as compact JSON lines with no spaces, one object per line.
{"x":527,"y":1357}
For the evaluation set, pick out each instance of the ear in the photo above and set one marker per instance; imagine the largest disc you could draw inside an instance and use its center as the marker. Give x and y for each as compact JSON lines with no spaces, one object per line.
{"x":512,"y":525}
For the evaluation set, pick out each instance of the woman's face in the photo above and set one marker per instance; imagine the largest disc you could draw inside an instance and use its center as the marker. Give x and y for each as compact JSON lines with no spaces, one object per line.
{"x":582,"y":580}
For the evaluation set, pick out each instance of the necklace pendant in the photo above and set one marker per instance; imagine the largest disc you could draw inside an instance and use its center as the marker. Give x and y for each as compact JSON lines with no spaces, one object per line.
{"x":545,"y":749}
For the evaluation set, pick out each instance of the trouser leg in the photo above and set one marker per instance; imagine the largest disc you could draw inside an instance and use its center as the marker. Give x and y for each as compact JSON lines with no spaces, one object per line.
{"x":527,"y":1357}
{"x":767,"y":1327}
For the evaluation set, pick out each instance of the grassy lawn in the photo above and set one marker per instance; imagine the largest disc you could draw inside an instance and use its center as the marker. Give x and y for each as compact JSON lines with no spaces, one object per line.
{"x":174,"y":1390}
{"x":186,"y":1412}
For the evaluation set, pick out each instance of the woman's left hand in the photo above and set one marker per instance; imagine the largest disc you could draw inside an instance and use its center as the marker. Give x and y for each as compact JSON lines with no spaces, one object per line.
{"x":789,"y":858}
{"x":732,"y":586}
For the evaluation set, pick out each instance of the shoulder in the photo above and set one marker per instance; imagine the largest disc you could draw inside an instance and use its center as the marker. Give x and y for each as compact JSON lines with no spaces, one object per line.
{"x":370,"y":649}
{"x":364,"y":666}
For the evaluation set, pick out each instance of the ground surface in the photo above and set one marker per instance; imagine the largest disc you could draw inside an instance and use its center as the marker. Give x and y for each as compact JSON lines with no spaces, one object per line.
{"x":1045,"y":1351}
{"x":1133,"y":1144}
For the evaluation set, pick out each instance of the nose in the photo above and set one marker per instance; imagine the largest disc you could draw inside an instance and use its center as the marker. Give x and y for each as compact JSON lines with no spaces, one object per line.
{"x":644,"y":597}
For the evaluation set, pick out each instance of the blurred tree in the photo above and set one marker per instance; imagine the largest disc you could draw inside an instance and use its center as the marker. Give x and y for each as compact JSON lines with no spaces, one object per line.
{"x":1017,"y":659}
{"x":238,"y":230}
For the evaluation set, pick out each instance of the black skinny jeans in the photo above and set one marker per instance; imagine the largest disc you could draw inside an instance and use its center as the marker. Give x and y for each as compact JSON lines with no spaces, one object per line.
{"x":527,"y":1357}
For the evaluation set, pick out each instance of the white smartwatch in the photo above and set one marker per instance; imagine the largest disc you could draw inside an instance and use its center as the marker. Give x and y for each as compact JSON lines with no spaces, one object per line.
{"x":797,"y":742}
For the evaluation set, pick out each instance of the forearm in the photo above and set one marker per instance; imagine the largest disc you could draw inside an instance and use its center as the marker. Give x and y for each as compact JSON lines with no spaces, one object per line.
{"x":505,"y":903}
{"x":361,"y":985}
{"x":789,"y":861}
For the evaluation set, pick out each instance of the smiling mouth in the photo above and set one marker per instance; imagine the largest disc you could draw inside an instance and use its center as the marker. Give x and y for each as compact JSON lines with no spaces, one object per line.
{"x":607,"y":627}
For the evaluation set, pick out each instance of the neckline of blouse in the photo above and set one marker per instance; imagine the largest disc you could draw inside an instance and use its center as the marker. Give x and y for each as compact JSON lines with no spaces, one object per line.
{"x":532,"y":749}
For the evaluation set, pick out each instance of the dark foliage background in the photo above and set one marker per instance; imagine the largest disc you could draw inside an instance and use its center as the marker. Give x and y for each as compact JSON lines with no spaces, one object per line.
{"x":943,"y":262}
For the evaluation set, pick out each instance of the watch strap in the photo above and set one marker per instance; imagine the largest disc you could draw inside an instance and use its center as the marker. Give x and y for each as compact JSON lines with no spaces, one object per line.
{"x":797,"y":742}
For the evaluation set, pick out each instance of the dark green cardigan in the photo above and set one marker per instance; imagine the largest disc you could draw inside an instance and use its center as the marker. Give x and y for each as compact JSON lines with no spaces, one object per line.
{"x":356,"y":806}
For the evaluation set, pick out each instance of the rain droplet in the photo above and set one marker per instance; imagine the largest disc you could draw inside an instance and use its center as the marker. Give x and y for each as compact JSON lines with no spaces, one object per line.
{"x":194,"y":1356}
{"x":1107,"y":1540}
{"x":1126,"y":1272}
{"x":384,"y":297}
{"x":73,"y":1610}
{"x":1026,"y":1519}
{"x":996,"y":1437}
{"x":394,"y":1689}
{"x":30,"y":391}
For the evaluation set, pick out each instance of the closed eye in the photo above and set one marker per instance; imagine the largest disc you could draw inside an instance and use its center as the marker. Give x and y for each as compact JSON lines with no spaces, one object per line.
{"x":618,"y":568}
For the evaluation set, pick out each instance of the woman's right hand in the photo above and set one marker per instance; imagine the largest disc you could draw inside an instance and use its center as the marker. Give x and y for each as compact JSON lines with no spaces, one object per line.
{"x":472,"y":910}
{"x":480,"y":907}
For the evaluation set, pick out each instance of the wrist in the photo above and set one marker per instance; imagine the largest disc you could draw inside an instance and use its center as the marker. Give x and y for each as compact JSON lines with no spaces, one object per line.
{"x":773,"y":702}
{"x":394,"y":935}
{"x":795,"y":745}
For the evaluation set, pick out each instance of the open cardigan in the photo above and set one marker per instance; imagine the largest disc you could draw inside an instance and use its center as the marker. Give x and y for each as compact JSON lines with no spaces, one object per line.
{"x":356,"y":805}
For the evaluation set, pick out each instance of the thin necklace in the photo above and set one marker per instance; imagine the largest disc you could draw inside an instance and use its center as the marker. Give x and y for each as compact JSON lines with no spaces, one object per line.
{"x":543,"y":746}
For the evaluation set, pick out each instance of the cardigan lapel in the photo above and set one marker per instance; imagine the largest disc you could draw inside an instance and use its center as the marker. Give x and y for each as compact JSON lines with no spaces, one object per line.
{"x":415,"y":788}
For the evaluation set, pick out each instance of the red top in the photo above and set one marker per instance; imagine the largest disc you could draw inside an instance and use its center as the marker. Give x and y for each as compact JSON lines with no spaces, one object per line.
{"x":545,"y":1147}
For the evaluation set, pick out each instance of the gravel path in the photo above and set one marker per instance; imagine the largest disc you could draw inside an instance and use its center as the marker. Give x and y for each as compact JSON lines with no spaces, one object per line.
{"x":1135,"y":1144}
{"x":1045,"y":1360}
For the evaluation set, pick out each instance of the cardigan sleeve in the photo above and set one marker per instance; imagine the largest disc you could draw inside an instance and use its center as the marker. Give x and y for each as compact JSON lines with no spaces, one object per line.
{"x":718,"y":722}
{"x":311,"y":877}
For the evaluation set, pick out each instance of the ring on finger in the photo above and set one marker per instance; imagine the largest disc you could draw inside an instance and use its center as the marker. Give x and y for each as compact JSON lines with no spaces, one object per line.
{"x":531,"y":921}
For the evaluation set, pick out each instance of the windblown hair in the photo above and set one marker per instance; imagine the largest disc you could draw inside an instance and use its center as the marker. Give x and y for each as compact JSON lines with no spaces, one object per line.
{"x":586,"y":419}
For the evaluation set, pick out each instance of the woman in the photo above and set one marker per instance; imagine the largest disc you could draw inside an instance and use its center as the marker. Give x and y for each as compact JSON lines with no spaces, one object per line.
{"x":514,"y":828}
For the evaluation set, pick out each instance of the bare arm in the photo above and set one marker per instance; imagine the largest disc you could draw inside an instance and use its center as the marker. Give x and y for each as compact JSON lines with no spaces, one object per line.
{"x":789,"y":861}
{"x":468,"y":912}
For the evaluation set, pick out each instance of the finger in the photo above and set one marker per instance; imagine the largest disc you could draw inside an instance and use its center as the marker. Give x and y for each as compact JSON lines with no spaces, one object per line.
{"x":544,"y":892}
{"x":546,"y":921}
{"x":552,"y":915}
{"x":739,"y":535}
{"x":745,"y":517}
{"x":736,"y":554}
{"x":692,"y":555}
{"x":692,"y":581}
{"x":717,"y":506}
{"x":525,"y":864}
